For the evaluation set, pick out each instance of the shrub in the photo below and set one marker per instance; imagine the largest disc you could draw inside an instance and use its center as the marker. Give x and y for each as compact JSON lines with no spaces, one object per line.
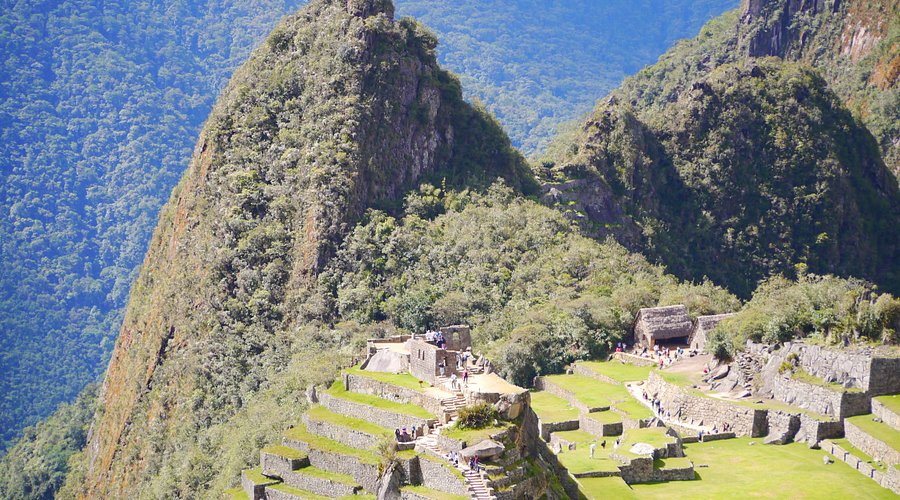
{"x":477,"y":416}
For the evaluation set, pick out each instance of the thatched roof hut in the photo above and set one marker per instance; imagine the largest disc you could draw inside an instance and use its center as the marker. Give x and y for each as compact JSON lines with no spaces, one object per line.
{"x":705,"y":324}
{"x":654,"y":324}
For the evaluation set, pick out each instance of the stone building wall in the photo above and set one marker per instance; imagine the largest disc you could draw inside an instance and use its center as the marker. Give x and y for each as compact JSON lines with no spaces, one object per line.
{"x":391,"y":392}
{"x":744,"y":421}
{"x":318,"y":485}
{"x":597,"y":428}
{"x":425,"y":360}
{"x":458,"y":337}
{"x":547,"y":429}
{"x":378,"y":416}
{"x":870,"y":445}
{"x":885,"y":414}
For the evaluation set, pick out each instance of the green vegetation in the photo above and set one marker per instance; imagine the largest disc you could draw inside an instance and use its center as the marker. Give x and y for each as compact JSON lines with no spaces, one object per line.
{"x":634,"y":410}
{"x":737,"y":470}
{"x":474,"y":436}
{"x":236,"y":493}
{"x":477,"y":416}
{"x":322,"y":414}
{"x":432,"y":494}
{"x":878,"y":430}
{"x":735,"y":170}
{"x":257,"y":476}
{"x":618,"y":370}
{"x":284,"y":451}
{"x":672,"y":463}
{"x":891,"y":402}
{"x":337,"y":390}
{"x":399,"y":379}
{"x":300,"y":433}
{"x":605,"y":487}
{"x":551,"y":409}
{"x":605,"y":417}
{"x":591,"y":392}
{"x":822,"y":308}
{"x":36,"y":466}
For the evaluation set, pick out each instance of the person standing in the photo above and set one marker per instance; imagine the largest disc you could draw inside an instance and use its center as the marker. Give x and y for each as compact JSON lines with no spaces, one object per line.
{"x":593,"y":446}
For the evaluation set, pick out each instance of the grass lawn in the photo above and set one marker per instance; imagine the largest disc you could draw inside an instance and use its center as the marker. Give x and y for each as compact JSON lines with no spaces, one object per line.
{"x":879,"y":430}
{"x":399,"y":379}
{"x":330,"y":476}
{"x":300,"y":433}
{"x":257,"y":477}
{"x":473,"y":436}
{"x":337,"y":390}
{"x":605,"y":487}
{"x":322,"y":414}
{"x":672,"y":463}
{"x":617,"y":370}
{"x":891,"y":402}
{"x":591,"y":392}
{"x":579,"y":460}
{"x":236,"y":493}
{"x":605,"y":417}
{"x":737,"y":470}
{"x":634,"y":410}
{"x":577,"y":436}
{"x":552,"y":409}
{"x":284,"y":451}
{"x":433,"y":494}
{"x":853,"y":450}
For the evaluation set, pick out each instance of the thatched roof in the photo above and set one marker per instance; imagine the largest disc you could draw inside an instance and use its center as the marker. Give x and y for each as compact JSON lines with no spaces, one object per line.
{"x":707,"y":323}
{"x":664,"y":322}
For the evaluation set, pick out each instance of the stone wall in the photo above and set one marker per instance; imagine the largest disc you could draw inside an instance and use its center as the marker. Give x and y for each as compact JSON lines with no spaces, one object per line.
{"x":631,"y":358}
{"x":318,"y":485}
{"x":537,"y":447}
{"x":254,"y":490}
{"x":350,"y":437}
{"x":885,"y":376}
{"x":804,"y":395}
{"x":364,"y":473}
{"x":870,"y":445}
{"x":391,"y":392}
{"x":378,"y":416}
{"x":458,"y":337}
{"x":597,"y":428}
{"x":533,"y":487}
{"x":885,"y":414}
{"x":813,"y":431}
{"x":436,"y":475}
{"x":425,"y":360}
{"x":705,"y":410}
{"x":276,"y":465}
{"x":891,"y":480}
{"x":547,"y":429}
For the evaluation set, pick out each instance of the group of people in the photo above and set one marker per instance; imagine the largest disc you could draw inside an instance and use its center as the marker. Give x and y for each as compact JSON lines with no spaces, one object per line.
{"x":437,"y":338}
{"x":403,"y":436}
{"x":453,"y":457}
{"x":455,"y":381}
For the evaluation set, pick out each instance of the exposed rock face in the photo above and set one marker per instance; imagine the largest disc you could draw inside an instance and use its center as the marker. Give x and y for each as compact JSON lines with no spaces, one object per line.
{"x":486,"y":449}
{"x":343,"y":107}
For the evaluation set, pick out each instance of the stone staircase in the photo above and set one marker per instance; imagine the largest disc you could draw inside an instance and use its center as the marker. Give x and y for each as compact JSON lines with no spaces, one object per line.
{"x":475,"y":481}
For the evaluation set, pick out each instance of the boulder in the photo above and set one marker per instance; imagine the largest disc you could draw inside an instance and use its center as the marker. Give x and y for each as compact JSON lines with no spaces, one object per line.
{"x":720,"y":372}
{"x":486,"y":449}
{"x":388,"y":485}
{"x":775,"y":439}
{"x":642,"y":449}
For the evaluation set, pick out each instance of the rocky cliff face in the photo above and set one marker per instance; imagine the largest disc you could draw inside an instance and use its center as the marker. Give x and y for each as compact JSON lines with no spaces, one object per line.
{"x":342,"y":108}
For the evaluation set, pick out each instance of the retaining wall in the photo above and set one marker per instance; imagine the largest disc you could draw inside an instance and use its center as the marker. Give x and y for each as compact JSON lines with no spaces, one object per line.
{"x":364,"y":473}
{"x":378,"y":416}
{"x":437,"y":476}
{"x":547,"y":429}
{"x":350,"y":437}
{"x":707,"y":411}
{"x":885,"y":414}
{"x":597,"y":428}
{"x":824,"y":400}
{"x":391,"y":392}
{"x":587,"y":372}
{"x":870,"y":445}
{"x":318,"y":485}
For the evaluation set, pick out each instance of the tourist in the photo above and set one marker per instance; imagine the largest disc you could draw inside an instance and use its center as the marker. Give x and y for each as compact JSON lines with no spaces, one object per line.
{"x":593,"y":446}
{"x":700,"y":436}
{"x":466,"y":377}
{"x":716,"y":429}
{"x":660,"y":363}
{"x":453,"y":381}
{"x":404,"y":436}
{"x":397,"y":434}
{"x":442,"y":368}
{"x":603,"y":444}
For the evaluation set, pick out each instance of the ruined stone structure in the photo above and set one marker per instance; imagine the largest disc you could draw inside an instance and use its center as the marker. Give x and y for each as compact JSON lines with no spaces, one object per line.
{"x":704,"y":325}
{"x":662,"y":324}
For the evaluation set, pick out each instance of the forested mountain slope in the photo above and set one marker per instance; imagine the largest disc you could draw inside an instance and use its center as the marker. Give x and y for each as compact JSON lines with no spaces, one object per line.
{"x":735,"y":167}
{"x":101,"y":102}
{"x":343,"y":108}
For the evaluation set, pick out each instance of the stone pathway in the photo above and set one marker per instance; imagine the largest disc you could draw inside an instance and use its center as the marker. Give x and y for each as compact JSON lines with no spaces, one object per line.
{"x":637,"y":393}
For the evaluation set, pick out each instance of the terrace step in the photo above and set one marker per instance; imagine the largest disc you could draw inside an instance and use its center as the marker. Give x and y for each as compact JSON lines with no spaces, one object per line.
{"x":321,"y":482}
